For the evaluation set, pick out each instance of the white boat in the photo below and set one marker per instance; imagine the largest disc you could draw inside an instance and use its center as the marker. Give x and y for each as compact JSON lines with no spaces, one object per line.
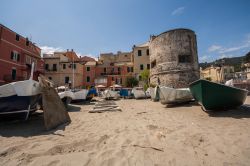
{"x":148,"y":92}
{"x":139,"y":93}
{"x":20,"y":96}
{"x":79,"y":94}
{"x":110,"y":94}
{"x":173,"y":96}
{"x":65,"y":95}
{"x":154,"y":93}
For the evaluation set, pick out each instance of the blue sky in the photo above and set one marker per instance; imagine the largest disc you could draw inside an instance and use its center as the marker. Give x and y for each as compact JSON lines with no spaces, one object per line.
{"x":92,"y":27}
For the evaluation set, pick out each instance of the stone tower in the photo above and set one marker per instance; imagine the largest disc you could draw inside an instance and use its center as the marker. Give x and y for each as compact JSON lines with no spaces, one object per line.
{"x":174,"y":59}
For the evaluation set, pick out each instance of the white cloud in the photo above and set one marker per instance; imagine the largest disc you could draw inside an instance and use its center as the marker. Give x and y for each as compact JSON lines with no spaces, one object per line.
{"x":225,"y":56}
{"x":214,"y":48}
{"x":204,"y":58}
{"x":225,"y":50}
{"x":178,"y":11}
{"x":49,"y":50}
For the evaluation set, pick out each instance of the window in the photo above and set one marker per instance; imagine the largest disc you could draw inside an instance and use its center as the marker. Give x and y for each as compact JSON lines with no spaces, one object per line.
{"x":66,"y":80}
{"x":139,"y":52}
{"x":74,"y":66}
{"x":54,"y":67}
{"x":147,"y":51}
{"x":13,"y":74}
{"x":88,"y":79}
{"x":119,"y":70}
{"x":112,"y":78}
{"x":17,"y":37}
{"x":148,"y":66}
{"x":120,"y":80}
{"x":15,"y":56}
{"x":140,"y":78}
{"x":141,"y":66}
{"x":50,"y":78}
{"x":153,"y":63}
{"x":126,"y":55}
{"x":88,"y":68}
{"x":46,"y":66}
{"x":184,"y":58}
{"x":128,"y":69}
{"x":104,"y":69}
{"x":27,"y":42}
{"x":132,"y":69}
{"x":64,"y":66}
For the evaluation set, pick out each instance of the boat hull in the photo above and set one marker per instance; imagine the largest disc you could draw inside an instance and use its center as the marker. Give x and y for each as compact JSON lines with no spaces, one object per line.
{"x":14,"y":103}
{"x":154,"y":93}
{"x":214,"y":96}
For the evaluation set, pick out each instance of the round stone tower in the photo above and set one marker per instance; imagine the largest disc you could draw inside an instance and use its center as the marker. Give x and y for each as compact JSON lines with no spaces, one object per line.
{"x":174,"y":59}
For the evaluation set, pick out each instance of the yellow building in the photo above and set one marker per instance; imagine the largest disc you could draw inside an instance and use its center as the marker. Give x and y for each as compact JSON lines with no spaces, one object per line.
{"x":217,"y":74}
{"x":141,"y":58}
{"x":63,"y":68}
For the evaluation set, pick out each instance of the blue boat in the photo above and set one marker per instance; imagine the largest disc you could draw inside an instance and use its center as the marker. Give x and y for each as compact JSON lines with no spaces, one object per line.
{"x":19,"y":97}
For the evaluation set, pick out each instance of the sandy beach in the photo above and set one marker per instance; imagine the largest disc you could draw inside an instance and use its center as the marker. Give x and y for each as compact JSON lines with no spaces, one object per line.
{"x":144,"y":133}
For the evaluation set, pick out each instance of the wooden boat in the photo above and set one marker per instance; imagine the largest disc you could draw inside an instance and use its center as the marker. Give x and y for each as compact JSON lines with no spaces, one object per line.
{"x":79,"y":94}
{"x":214,"y":96}
{"x":174,"y":96}
{"x":111,"y":94}
{"x":154,"y":93}
{"x":65,"y":95}
{"x":20,"y":97}
{"x":139,"y":93}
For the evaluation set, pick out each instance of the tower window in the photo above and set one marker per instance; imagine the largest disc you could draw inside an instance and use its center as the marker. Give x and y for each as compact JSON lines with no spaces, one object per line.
{"x":184,"y":58}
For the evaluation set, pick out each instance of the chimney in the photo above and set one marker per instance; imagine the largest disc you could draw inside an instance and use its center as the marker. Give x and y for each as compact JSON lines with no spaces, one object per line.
{"x":72,"y":50}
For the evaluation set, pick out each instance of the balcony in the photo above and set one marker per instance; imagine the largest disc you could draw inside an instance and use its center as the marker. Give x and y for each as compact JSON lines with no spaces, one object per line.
{"x":111,"y":73}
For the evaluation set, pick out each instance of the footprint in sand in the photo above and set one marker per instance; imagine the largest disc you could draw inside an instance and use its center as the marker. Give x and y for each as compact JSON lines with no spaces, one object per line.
{"x":152,"y":127}
{"x":53,"y":163}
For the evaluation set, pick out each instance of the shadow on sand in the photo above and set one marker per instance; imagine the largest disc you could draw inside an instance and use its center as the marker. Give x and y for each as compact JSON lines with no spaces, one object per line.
{"x":185,"y":104}
{"x":237,"y":113}
{"x":83,"y":102}
{"x":16,"y":126}
{"x":73,"y":108}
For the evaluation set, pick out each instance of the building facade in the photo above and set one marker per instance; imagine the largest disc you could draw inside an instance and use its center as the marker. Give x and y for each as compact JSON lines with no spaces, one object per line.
{"x":113,"y":69}
{"x":141,"y":59}
{"x":17,"y":54}
{"x":64,"y":68}
{"x":218,"y":74}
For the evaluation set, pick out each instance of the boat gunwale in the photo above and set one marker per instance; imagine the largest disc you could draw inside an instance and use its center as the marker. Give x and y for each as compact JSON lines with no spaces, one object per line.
{"x":197,"y":81}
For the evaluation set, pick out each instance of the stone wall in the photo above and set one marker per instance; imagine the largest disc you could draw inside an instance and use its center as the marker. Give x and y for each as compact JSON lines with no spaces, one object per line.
{"x":174,"y":59}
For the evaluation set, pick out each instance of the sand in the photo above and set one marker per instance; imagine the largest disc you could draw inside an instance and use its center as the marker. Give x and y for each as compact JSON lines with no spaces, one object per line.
{"x":144,"y":133}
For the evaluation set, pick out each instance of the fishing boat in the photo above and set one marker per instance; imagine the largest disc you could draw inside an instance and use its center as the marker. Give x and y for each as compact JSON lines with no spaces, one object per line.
{"x":139,"y":93}
{"x":215,"y":96}
{"x":20,"y":96}
{"x":174,"y":96}
{"x":111,"y":94}
{"x":154,"y":93}
{"x":79,"y":94}
{"x":65,"y":95}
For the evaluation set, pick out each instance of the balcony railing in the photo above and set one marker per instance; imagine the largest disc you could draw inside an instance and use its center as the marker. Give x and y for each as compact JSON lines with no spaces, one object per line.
{"x":111,"y":73}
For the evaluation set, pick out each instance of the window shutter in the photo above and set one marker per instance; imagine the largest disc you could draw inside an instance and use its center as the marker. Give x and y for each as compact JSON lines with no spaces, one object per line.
{"x":12,"y":55}
{"x":18,"y":57}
